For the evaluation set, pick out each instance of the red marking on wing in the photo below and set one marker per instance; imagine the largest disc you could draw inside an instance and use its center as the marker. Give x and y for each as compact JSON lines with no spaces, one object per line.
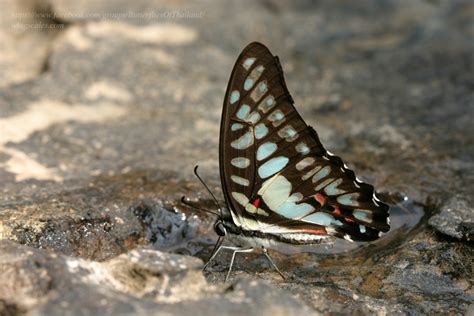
{"x":336,"y":210}
{"x":256,"y":202}
{"x":320,"y":198}
{"x":349,"y":220}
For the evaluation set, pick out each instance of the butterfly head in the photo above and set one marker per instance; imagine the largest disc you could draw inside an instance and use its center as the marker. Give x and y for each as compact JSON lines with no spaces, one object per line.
{"x":219,"y":228}
{"x":224,"y":224}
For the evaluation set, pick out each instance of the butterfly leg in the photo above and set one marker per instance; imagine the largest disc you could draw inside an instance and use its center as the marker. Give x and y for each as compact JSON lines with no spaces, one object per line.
{"x":265,"y":252}
{"x":236,"y":250}
{"x":215,"y":251}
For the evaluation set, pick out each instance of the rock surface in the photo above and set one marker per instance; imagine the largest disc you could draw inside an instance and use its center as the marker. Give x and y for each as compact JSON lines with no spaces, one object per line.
{"x":455,"y":219}
{"x":141,"y":282}
{"x":103,"y":119}
{"x":26,"y":36}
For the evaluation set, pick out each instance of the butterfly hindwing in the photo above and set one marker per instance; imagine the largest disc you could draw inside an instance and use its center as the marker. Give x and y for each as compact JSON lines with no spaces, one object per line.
{"x":277,"y":176}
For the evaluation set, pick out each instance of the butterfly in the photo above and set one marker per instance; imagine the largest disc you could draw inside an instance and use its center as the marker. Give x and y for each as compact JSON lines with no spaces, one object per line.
{"x":279,"y":182}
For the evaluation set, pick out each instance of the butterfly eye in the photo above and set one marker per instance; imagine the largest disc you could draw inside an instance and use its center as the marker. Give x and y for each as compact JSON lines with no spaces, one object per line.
{"x":219,"y":228}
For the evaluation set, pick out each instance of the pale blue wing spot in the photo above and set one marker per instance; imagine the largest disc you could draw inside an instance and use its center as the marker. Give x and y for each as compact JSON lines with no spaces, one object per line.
{"x":253,"y":77}
{"x":236,"y":126}
{"x":276,"y":194}
{"x":248,"y":63}
{"x":363,"y":215}
{"x":337,"y":222}
{"x":302,"y":148}
{"x":288,"y":132}
{"x":261,"y":131}
{"x":320,"y":218}
{"x":291,"y":210}
{"x":248,"y":84}
{"x":323,"y":184}
{"x":348,"y":199}
{"x":259,"y":91}
{"x":324,"y":219}
{"x":332,"y":188}
{"x":234,"y":96}
{"x":275,"y":191}
{"x":321,"y":174}
{"x":276,"y":117}
{"x":240,"y":198}
{"x":362,"y":229}
{"x":272,"y":166}
{"x":265,"y":150}
{"x":240,"y":162}
{"x":310,"y":173}
{"x":251,"y":208}
{"x":243,"y":111}
{"x":295,"y":197}
{"x":304,"y":163}
{"x":244,"y":141}
{"x":253,"y":118}
{"x":267,"y":104}
{"x":240,"y":180}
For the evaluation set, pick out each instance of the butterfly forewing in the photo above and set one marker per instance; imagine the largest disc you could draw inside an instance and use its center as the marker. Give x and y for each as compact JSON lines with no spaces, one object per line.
{"x":276,"y":175}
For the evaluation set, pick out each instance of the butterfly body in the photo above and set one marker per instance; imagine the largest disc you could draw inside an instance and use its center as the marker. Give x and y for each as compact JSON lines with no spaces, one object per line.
{"x":279,"y":182}
{"x":255,"y":238}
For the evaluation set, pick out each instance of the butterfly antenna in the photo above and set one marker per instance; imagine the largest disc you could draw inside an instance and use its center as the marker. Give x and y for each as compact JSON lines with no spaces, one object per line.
{"x":400,"y":203}
{"x":208,"y":190}
{"x":183,"y":200}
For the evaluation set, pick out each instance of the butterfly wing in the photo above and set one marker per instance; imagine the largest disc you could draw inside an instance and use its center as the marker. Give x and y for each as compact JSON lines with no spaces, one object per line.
{"x":277,"y":177}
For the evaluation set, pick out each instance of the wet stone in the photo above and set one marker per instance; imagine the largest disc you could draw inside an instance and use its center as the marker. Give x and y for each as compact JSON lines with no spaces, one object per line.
{"x":455,"y":219}
{"x":169,"y":230}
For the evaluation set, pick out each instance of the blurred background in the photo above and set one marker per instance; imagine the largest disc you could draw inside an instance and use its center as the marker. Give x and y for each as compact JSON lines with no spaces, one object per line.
{"x":107,"y":104}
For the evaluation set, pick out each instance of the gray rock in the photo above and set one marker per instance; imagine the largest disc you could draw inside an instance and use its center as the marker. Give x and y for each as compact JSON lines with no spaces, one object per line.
{"x":455,"y":219}
{"x":140,"y":282}
{"x":102,"y":122}
{"x":27,"y":31}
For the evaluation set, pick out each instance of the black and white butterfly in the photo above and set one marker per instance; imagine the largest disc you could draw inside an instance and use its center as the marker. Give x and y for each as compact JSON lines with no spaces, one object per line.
{"x":279,"y":182}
